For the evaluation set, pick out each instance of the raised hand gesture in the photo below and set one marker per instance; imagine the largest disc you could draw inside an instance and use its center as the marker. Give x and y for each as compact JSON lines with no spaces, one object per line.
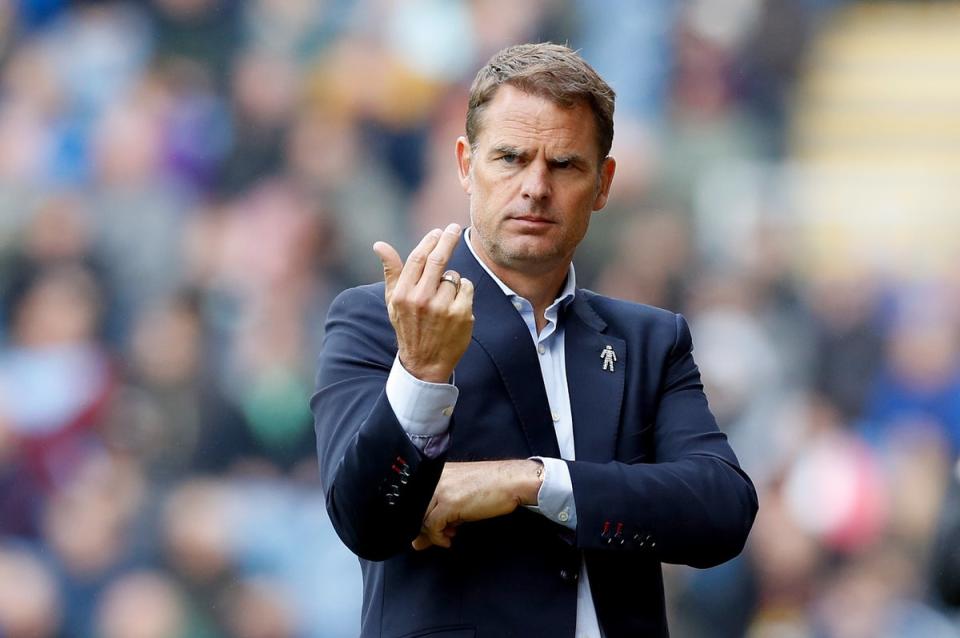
{"x":431,"y":308}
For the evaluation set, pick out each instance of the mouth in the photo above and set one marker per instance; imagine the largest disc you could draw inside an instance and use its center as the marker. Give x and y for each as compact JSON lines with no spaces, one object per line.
{"x":531,"y":220}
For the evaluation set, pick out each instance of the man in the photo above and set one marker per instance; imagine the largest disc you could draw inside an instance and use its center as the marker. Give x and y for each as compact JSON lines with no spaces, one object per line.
{"x":510,"y":455}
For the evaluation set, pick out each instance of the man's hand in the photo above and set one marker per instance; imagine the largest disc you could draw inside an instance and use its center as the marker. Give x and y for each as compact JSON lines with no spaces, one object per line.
{"x":431,"y":310}
{"x":477,"y":491}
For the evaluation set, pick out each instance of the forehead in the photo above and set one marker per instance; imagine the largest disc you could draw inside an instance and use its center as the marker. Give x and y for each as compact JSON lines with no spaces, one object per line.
{"x":516,"y":118}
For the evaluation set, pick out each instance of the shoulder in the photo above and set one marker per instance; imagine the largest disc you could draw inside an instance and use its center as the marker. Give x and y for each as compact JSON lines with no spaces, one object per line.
{"x":365,"y":300}
{"x":357,"y":321}
{"x":359,"y":311}
{"x":638,"y":321}
{"x":613,"y":308}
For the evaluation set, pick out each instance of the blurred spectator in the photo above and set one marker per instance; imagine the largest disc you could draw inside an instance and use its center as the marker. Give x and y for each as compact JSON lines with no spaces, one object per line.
{"x":55,"y":375}
{"x":295,"y":29}
{"x":142,"y":605}
{"x":21,"y":490}
{"x":918,"y":386}
{"x":652,"y":255}
{"x":30,"y":604}
{"x":848,"y":342}
{"x":186,"y":184}
{"x":172,"y":415}
{"x":742,"y":375}
{"x":637,"y":31}
{"x":200,"y":33}
{"x":88,"y":526}
{"x":875,"y":595}
{"x":265,"y":92}
{"x":194,"y":541}
{"x":258,"y":608}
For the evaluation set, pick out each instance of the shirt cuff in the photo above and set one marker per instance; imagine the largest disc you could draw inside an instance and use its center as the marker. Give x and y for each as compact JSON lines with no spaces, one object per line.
{"x":423,"y":409}
{"x":555,"y":498}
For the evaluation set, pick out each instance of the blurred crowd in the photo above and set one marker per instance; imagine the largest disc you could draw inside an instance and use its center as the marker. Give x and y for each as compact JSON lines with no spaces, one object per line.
{"x":186,"y":184}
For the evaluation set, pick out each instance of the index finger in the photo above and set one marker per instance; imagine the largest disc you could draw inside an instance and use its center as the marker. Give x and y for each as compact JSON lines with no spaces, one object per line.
{"x":417,"y":259}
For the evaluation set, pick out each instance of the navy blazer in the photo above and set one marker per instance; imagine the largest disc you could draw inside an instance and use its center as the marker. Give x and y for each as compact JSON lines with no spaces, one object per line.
{"x":654,"y":479}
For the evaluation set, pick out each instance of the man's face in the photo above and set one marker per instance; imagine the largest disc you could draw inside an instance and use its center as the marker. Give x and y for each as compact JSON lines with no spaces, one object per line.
{"x":534,"y":179}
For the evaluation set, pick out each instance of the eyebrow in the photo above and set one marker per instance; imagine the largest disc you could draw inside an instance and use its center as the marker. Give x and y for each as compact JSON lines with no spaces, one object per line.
{"x":571,"y":158}
{"x":507,"y":149}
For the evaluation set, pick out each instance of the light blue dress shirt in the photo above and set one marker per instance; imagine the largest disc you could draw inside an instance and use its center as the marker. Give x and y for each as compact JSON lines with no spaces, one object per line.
{"x":424,"y":409}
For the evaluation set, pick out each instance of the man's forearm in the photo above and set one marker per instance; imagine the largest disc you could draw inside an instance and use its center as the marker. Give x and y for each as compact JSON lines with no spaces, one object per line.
{"x":475,"y":491}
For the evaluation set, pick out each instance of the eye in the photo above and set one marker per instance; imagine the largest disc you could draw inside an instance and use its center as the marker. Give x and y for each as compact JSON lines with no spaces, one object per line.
{"x":562,"y":163}
{"x":509,"y":158}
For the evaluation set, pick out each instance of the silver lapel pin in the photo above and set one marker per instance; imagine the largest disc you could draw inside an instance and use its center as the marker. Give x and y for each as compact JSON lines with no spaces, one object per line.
{"x":608,"y":356}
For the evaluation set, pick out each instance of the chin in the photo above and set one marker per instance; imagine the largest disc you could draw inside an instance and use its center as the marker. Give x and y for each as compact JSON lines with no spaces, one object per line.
{"x":527,"y":253}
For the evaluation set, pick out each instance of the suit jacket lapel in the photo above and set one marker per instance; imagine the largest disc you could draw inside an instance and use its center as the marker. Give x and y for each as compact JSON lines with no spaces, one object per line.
{"x":596,"y":392}
{"x":501,"y":332}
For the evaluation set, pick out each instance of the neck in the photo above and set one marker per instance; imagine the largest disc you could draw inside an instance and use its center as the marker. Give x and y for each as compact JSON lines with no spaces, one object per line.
{"x":540,"y":290}
{"x":540,"y":286}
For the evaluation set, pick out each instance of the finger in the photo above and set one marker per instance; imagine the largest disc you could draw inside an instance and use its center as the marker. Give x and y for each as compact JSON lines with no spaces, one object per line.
{"x":433,"y":527}
{"x":421,"y":542}
{"x":463,"y":302}
{"x":439,"y":256}
{"x":439,"y":539}
{"x":392,"y":265}
{"x":413,"y":269}
{"x":449,"y":288}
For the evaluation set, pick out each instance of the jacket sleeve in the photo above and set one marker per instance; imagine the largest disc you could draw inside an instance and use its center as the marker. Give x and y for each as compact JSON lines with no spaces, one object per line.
{"x":377,"y":484}
{"x":692,"y":505}
{"x":945,"y":562}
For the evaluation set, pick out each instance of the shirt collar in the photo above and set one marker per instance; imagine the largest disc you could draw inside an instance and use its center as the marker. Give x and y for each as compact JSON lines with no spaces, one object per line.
{"x":566,"y":293}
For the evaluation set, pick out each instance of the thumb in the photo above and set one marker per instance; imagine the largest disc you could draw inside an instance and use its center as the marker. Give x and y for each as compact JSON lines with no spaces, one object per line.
{"x":421,"y":542}
{"x":392,"y":264}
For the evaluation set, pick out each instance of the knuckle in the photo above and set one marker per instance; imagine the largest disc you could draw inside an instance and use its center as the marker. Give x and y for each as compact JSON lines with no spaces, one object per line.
{"x":417,"y":257}
{"x":421,"y":306}
{"x":437,"y":259}
{"x":445,"y":310}
{"x":420,"y":299}
{"x":398,"y":300}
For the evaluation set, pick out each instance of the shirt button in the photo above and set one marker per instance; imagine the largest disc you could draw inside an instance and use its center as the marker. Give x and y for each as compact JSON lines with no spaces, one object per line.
{"x":556,"y":417}
{"x":447,"y":411}
{"x":563,"y":516}
{"x":541,"y":348}
{"x":517,"y":304}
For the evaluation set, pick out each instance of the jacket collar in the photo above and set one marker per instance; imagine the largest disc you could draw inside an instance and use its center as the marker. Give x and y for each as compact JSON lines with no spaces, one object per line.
{"x":595,"y":393}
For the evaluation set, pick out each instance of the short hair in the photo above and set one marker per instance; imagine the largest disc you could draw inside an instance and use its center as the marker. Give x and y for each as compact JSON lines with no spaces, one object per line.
{"x":552,"y":71}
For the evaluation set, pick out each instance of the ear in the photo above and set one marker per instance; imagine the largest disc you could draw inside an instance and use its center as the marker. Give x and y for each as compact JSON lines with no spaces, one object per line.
{"x":464,"y":157}
{"x":607,"y":169}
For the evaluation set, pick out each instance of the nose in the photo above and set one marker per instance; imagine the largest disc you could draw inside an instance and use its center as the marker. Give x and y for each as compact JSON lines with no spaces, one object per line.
{"x":536,"y":180}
